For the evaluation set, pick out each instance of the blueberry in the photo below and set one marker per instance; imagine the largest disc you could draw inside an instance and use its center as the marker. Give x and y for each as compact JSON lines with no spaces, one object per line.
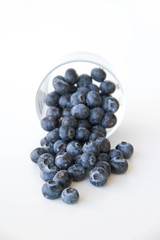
{"x":115,"y":153}
{"x":62,"y":87}
{"x":104,"y":165}
{"x":126,"y":149}
{"x":66,"y":133}
{"x":52,"y":99}
{"x":109,"y":120}
{"x":93,"y":87}
{"x":98,"y":176}
{"x":53,"y":135}
{"x":71,"y":76}
{"x":65,"y":101}
{"x":64,"y":178}
{"x":49,"y":123}
{"x":46,"y":159}
{"x":93,"y":99}
{"x":91,"y":147}
{"x":84,"y":80}
{"x":69,"y":121}
{"x":43,"y":141}
{"x":66,"y":112}
{"x":74,"y":148}
{"x":110,"y":104}
{"x":104,"y":144}
{"x":48,"y":146}
{"x":80,"y":111}
{"x":96,"y":115}
{"x":93,"y":136}
{"x":63,"y":160}
{"x":83,"y":90}
{"x":77,"y":98}
{"x":52,"y":190}
{"x":54,"y":112}
{"x":77,"y":160}
{"x":99,"y":128}
{"x":107,"y":87}
{"x":36,"y":153}
{"x":82,"y":134}
{"x":70,"y":195}
{"x":78,"y":172}
{"x":88,"y":159}
{"x":84,"y":123}
{"x":48,"y":173}
{"x":98,"y":74}
{"x":103,"y":157}
{"x":118,"y":165}
{"x":59,"y":146}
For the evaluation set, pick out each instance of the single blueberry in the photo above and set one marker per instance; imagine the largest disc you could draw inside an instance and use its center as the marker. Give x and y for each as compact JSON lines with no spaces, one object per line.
{"x":66,"y":112}
{"x":71,"y":76}
{"x":109,"y":120}
{"x":104,"y":144}
{"x":46,"y":159}
{"x":118,"y":165}
{"x":77,"y":159}
{"x":83,"y":90}
{"x":82,"y":134}
{"x":93,"y":87}
{"x":104,"y":165}
{"x":96,"y":115}
{"x":84,"y":123}
{"x":70,"y":195}
{"x":62,"y":87}
{"x":98,"y":74}
{"x":53,"y":135}
{"x":99,"y":128}
{"x":52,"y":190}
{"x":110,"y":104}
{"x":80,"y":111}
{"x":126,"y":149}
{"x":84,"y":80}
{"x":66,"y":133}
{"x":59,"y":146}
{"x":78,"y":172}
{"x":74,"y":148}
{"x":91,"y":147}
{"x":48,"y":173}
{"x":69,"y":121}
{"x":63,"y":160}
{"x":52,"y":99}
{"x":88,"y":159}
{"x":103,"y":157}
{"x":93,"y":99}
{"x":77,"y":98}
{"x":93,"y":136}
{"x":54,"y":112}
{"x":36,"y":153}
{"x":115,"y":153}
{"x":65,"y":101}
{"x":43,"y":141}
{"x":107,"y":87}
{"x":98,"y":176}
{"x":48,"y":146}
{"x":49,"y":123}
{"x":64,"y":178}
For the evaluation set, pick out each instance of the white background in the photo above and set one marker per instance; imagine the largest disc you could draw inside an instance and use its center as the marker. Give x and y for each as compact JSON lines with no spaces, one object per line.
{"x":34,"y":34}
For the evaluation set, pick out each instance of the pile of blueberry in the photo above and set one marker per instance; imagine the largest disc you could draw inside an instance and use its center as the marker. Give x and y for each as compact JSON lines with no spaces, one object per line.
{"x":76,"y":145}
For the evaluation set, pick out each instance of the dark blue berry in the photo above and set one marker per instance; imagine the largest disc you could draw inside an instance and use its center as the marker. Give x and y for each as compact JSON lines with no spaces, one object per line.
{"x":83,"y":90}
{"x":69,"y":121}
{"x":48,"y":173}
{"x":64,"y":178}
{"x":43,"y":141}
{"x":82,"y":134}
{"x":109,"y":120}
{"x":52,"y":99}
{"x":93,"y":136}
{"x":74,"y":148}
{"x":91,"y":147}
{"x":53,"y":135}
{"x":64,"y":101}
{"x":46,"y":159}
{"x":59,"y":146}
{"x":77,"y":98}
{"x":78,"y":172}
{"x":98,"y":74}
{"x":66,"y":112}
{"x":93,"y":99}
{"x":110,"y":104}
{"x":36,"y":153}
{"x":71,"y":76}
{"x":107,"y":87}
{"x":96,"y":115}
{"x":48,"y":146}
{"x":84,"y":123}
{"x":118,"y":165}
{"x":80,"y":111}
{"x":62,"y":87}
{"x":70,"y":195}
{"x":84,"y":80}
{"x":88,"y":159}
{"x":63,"y":160}
{"x":93,"y":87}
{"x":103,"y":157}
{"x":66,"y":133}
{"x":104,"y":144}
{"x":99,"y":128}
{"x":77,"y":159}
{"x":98,"y":176}
{"x":52,"y":190}
{"x":115,"y":153}
{"x":126,"y":149}
{"x":104,"y":165}
{"x":54,"y":112}
{"x":49,"y":123}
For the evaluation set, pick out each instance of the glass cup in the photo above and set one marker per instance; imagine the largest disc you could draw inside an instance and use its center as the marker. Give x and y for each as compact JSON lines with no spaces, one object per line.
{"x":82,"y":62}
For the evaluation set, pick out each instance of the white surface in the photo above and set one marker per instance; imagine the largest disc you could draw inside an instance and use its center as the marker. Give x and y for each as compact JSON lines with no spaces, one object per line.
{"x":33,"y":35}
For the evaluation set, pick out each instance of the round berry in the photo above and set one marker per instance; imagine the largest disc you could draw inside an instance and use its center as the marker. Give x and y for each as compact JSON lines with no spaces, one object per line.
{"x":59,"y":146}
{"x":36,"y":153}
{"x":84,"y":80}
{"x":64,"y":178}
{"x":118,"y":165}
{"x":109,"y":120}
{"x":98,"y":74}
{"x":46,"y":159}
{"x":52,"y":190}
{"x":70,"y":195}
{"x":63,"y":160}
{"x":107,"y":87}
{"x":126,"y":149}
{"x":88,"y":159}
{"x":110,"y":104}
{"x":98,"y":176}
{"x":93,"y":99}
{"x":66,"y":133}
{"x":104,"y":144}
{"x":71,"y":76}
{"x":78,"y":172}
{"x":74,"y":148}
{"x":49,"y":123}
{"x":52,"y":99}
{"x":80,"y":111}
